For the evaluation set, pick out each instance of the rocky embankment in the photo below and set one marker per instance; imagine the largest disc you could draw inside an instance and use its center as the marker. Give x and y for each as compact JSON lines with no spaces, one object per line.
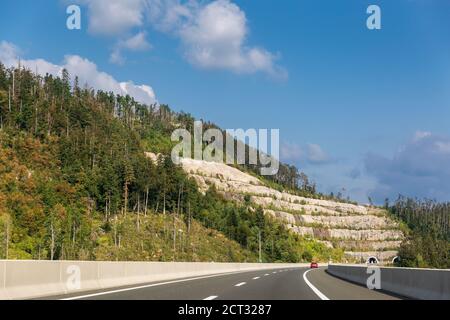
{"x":361,"y":231}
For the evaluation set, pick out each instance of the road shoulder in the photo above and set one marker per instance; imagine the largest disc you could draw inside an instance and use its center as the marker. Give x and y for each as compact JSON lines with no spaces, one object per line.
{"x":338,"y":289}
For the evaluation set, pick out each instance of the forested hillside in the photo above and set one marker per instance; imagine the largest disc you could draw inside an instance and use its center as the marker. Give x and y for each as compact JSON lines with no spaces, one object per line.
{"x":75,"y":184}
{"x":428,"y":244}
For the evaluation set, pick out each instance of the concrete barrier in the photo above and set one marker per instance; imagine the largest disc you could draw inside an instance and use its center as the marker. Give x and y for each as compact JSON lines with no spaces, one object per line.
{"x":33,"y":279}
{"x":426,"y":284}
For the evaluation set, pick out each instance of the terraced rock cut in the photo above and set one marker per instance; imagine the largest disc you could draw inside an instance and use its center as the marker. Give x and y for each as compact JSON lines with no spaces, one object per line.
{"x":362,"y":231}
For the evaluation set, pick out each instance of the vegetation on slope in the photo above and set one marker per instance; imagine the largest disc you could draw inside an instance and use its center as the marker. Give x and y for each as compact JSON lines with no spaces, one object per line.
{"x":428,"y":243}
{"x":75,"y":184}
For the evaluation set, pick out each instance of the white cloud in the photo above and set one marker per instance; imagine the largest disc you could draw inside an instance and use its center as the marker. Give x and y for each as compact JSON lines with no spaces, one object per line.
{"x":419,"y":135}
{"x":291,"y":152}
{"x":312,"y":154}
{"x":443,"y":147}
{"x":116,"y":57}
{"x":139,"y":92}
{"x":215,"y":39}
{"x":8,"y":52}
{"x":10,"y":55}
{"x":137,"y":42}
{"x":112,"y":17}
{"x":86,"y":71}
{"x":213,"y":34}
{"x":419,"y":168}
{"x":316,"y":154}
{"x":169,"y":15}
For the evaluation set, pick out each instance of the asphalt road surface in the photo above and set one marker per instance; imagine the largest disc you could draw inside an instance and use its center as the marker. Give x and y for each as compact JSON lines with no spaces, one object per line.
{"x":277,"y":284}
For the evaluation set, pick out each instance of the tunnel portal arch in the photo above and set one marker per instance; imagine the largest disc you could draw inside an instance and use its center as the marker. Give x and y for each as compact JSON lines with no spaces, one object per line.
{"x":396,"y":259}
{"x":372,"y":260}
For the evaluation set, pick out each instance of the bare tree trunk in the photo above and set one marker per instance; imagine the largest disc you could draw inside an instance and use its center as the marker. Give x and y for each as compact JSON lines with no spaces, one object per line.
{"x":36,"y":120}
{"x":164,"y":214}
{"x":174,"y":237}
{"x":146,"y":203}
{"x":125,"y":198}
{"x":106,"y":209}
{"x":52,"y":245}
{"x":9,"y":99}
{"x":108,"y":214}
{"x":7,"y":240}
{"x":14,"y":84}
{"x":115,"y":232}
{"x":48,"y":124}
{"x":189,"y":219}
{"x":74,"y":236}
{"x":164,"y":203}
{"x":138,"y":213}
{"x":67,"y":126}
{"x":259,"y":251}
{"x":179,"y":199}
{"x":174,"y":222}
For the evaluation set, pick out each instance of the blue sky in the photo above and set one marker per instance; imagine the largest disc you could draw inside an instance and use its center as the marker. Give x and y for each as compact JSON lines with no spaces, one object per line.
{"x":359,"y":109}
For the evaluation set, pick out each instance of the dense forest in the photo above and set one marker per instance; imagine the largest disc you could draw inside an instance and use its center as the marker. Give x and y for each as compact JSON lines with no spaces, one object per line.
{"x":75,"y":184}
{"x":428,"y":244}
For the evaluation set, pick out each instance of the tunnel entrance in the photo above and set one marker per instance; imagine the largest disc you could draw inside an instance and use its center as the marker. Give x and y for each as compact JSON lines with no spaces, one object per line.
{"x":372,"y":260}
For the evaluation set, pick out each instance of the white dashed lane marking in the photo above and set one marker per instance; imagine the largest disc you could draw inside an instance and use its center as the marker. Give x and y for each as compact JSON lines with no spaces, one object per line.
{"x":240,"y":284}
{"x":255,"y":278}
{"x":210,"y":298}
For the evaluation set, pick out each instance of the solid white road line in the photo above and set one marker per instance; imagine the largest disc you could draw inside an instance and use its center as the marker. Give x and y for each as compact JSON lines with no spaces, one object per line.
{"x":149,"y":286}
{"x":313,"y":288}
{"x":255,"y":278}
{"x":240,"y":284}
{"x":210,"y":298}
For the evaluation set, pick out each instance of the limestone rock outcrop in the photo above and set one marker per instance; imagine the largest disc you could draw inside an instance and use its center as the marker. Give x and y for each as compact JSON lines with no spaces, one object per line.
{"x":362,"y":231}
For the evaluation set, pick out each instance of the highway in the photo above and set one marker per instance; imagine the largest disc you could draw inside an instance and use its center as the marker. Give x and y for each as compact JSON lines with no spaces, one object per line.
{"x":276,"y":284}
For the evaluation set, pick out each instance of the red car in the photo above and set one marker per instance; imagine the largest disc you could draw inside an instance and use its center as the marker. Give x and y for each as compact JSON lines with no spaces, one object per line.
{"x":314,"y":265}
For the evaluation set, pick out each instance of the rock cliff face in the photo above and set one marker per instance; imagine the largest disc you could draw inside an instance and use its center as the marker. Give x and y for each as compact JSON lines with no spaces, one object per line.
{"x":361,"y":231}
